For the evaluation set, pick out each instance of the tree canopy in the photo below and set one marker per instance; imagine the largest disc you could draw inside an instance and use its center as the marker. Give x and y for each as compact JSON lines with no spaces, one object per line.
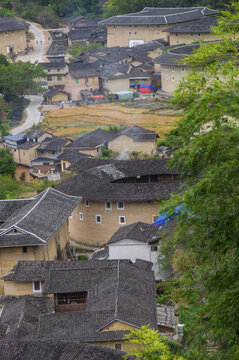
{"x":7,"y":164}
{"x":205,"y":248}
{"x":18,"y":79}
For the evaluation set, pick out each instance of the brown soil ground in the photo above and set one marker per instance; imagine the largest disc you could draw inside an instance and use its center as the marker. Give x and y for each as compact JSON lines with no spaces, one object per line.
{"x":72,"y":122}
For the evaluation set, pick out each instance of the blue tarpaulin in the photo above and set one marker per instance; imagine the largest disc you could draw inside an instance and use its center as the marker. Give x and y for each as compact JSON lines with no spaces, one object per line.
{"x":165,"y":218}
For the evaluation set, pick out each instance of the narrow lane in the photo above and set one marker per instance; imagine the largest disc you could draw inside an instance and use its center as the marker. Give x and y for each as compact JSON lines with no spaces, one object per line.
{"x":33,"y":114}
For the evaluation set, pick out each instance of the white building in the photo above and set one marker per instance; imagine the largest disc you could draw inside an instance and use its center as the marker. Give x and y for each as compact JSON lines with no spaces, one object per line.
{"x":138,"y":241}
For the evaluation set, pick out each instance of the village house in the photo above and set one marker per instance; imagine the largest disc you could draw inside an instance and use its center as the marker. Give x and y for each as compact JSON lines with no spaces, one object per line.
{"x":13,"y":36}
{"x":46,"y":155}
{"x":85,"y":301}
{"x":193,"y":31}
{"x":134,"y":139}
{"x":149,"y":24}
{"x":69,"y":157}
{"x":81,"y":77}
{"x":38,"y":349}
{"x":172,"y":71}
{"x":115,"y":78}
{"x":55,"y":74}
{"x":139,"y":241}
{"x":34,"y":229}
{"x":117,"y":194}
{"x":23,"y":146}
{"x":91,"y":143}
{"x":55,"y":96}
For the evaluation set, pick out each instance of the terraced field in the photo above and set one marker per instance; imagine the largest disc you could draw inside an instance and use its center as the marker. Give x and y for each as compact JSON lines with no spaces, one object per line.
{"x":72,"y":122}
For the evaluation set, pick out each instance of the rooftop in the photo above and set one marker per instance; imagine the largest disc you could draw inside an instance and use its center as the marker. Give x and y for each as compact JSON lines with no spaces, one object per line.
{"x":54,"y":143}
{"x":201,"y":26}
{"x":54,"y":350}
{"x":160,"y":16}
{"x":139,"y":231}
{"x":91,"y":140}
{"x":35,"y":220}
{"x":9,"y":23}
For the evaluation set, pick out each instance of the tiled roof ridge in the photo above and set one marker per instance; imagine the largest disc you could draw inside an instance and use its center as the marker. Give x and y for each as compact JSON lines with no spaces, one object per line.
{"x":23,"y":232}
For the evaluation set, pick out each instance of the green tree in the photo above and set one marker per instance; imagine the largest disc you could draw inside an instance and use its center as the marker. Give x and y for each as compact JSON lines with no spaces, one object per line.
{"x":9,"y":187}
{"x":205,"y":250}
{"x":19,"y":79}
{"x":7,"y":164}
{"x":150,"y":345}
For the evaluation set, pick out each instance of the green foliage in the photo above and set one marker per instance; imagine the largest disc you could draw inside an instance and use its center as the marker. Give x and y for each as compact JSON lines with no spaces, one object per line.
{"x":23,"y":176}
{"x":18,"y":79}
{"x":9,"y":187}
{"x":119,"y":7}
{"x":152,"y":346}
{"x":4,"y":121}
{"x":76,"y":49}
{"x":107,"y":154}
{"x":7,"y":164}
{"x":6,"y":8}
{"x":42,"y":185}
{"x":112,"y":128}
{"x":82,"y":257}
{"x":205,"y":251}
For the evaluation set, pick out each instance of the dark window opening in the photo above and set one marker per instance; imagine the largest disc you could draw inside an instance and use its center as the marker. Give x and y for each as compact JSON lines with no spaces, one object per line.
{"x":118,"y":346}
{"x":37,"y":286}
{"x":70,"y":301}
{"x":154,"y":248}
{"x":24,"y":249}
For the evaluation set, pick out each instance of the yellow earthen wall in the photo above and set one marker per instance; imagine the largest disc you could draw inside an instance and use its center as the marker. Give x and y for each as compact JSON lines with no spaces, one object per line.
{"x":172,"y":75}
{"x":187,"y":38}
{"x":16,"y":39}
{"x":74,"y":86}
{"x":121,"y":35}
{"x":124,"y":143}
{"x":10,"y":256}
{"x":117,"y":325}
{"x":13,"y":288}
{"x":88,"y":232}
{"x":116,"y":85}
{"x":59,"y":97}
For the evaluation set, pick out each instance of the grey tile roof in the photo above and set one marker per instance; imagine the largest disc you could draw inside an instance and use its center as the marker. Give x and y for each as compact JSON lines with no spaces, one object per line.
{"x":53,"y":92}
{"x":8,"y":24}
{"x":7,"y":207}
{"x":80,"y":34}
{"x":98,"y":183}
{"x":160,"y":16}
{"x":176,"y":54}
{"x":53,"y":65}
{"x":40,"y":218}
{"x":56,"y":350}
{"x":72,"y":156}
{"x":79,"y":70}
{"x":91,"y":140}
{"x":202,"y":26}
{"x":113,"y":287}
{"x":137,"y":231}
{"x":137,"y":133}
{"x":110,"y":72}
{"x":54,"y":143}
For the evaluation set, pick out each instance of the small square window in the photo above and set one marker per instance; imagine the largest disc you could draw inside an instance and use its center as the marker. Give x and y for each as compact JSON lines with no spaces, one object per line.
{"x":120,"y":205}
{"x":173,"y":78}
{"x":36,"y":286}
{"x":98,"y":219}
{"x":176,"y":34}
{"x":118,"y":346}
{"x":199,"y":34}
{"x":6,"y":33}
{"x":182,"y":68}
{"x":108,"y":205}
{"x":154,"y":248}
{"x":173,"y":69}
{"x":81,"y":217}
{"x":77,"y":81}
{"x":87,"y":203}
{"x":49,"y":70}
{"x":59,"y":77}
{"x":122,"y":220}
{"x":191,"y":34}
{"x":86,"y":81}
{"x":24,"y":249}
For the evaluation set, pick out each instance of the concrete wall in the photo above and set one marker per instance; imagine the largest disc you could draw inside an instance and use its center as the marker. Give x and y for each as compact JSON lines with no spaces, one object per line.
{"x":172,"y":75}
{"x":89,"y":232}
{"x":124,"y":143}
{"x":133,"y":249}
{"x":74,"y":86}
{"x":15,"y":39}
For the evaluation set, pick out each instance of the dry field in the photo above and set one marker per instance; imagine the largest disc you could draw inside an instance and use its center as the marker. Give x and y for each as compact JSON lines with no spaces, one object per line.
{"x":72,"y":122}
